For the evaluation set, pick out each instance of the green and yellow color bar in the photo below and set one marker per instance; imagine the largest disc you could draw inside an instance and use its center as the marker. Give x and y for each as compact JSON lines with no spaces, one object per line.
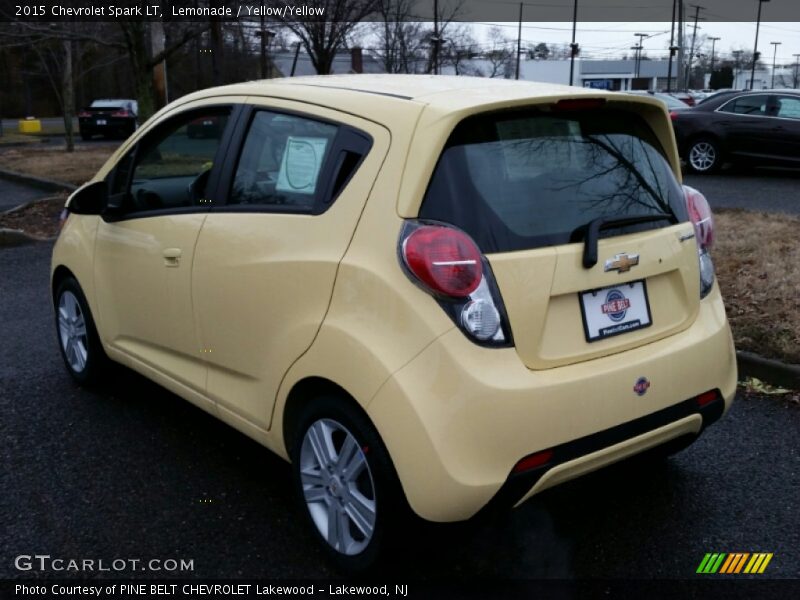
{"x":734,"y":563}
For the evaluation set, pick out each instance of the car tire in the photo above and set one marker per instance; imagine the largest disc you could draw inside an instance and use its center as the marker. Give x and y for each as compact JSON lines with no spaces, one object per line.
{"x":80,"y":346}
{"x":85,"y":136}
{"x":367,"y":502}
{"x":703,"y":155}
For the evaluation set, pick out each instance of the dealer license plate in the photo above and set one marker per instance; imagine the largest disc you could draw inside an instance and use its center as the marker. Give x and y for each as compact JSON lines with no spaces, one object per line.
{"x":614,"y":310}
{"x":101,"y":122}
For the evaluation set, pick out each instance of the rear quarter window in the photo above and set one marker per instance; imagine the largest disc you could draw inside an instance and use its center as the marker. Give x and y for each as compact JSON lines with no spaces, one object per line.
{"x":528,"y":179}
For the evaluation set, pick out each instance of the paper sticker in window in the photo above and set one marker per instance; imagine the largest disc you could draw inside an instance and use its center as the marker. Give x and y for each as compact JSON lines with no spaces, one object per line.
{"x":301,"y":164}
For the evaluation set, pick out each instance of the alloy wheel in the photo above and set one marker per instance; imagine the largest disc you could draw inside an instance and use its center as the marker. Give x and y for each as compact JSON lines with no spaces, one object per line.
{"x":338,"y":487}
{"x":72,"y":331}
{"x":702,"y":156}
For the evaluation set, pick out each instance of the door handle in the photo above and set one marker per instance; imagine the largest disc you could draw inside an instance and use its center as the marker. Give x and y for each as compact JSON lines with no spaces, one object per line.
{"x":172,"y":257}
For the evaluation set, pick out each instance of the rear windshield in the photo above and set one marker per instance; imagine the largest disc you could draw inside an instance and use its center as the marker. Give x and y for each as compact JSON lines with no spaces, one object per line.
{"x":523,"y":180}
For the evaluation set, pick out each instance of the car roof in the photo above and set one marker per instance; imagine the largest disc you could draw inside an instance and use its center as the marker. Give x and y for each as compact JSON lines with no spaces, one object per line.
{"x":359,"y":93}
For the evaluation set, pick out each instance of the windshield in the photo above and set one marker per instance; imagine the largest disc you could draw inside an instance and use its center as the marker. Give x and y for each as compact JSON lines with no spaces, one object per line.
{"x":528,"y":179}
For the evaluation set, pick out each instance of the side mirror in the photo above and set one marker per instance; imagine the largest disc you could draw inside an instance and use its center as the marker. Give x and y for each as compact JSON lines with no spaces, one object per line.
{"x":90,"y":199}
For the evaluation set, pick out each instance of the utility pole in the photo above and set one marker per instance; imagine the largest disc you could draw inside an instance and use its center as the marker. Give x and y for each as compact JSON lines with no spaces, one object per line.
{"x":639,"y":47}
{"x":681,"y":35}
{"x":435,"y":39}
{"x":714,"y":40}
{"x":519,"y":41}
{"x":756,"y":54}
{"x":573,"y":47}
{"x":774,"y":56}
{"x":691,"y":51}
{"x":263,"y":35}
{"x":672,"y":47}
{"x":796,"y":66}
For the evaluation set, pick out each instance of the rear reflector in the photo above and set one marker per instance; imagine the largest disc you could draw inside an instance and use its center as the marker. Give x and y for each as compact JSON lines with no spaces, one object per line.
{"x":701,"y":216}
{"x":579,"y":103}
{"x":444,"y":259}
{"x":533,"y":461}
{"x":707,"y":398}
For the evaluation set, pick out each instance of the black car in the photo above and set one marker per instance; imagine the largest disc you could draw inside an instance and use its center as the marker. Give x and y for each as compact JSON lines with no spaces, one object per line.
{"x":108,"y":117}
{"x":748,"y":128}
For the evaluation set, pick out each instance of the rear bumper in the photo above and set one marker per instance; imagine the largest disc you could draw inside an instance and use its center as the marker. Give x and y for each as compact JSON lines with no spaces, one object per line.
{"x":113,"y":124}
{"x":458,"y":417}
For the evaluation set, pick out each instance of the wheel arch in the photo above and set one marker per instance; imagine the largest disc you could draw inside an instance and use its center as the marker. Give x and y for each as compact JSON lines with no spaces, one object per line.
{"x":60,"y":273}
{"x":303,"y":393}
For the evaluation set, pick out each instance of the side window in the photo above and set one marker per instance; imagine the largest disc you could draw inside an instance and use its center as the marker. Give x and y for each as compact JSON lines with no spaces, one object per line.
{"x":748,"y":105}
{"x":282,"y":162}
{"x":171,"y":166}
{"x":788,"y":107}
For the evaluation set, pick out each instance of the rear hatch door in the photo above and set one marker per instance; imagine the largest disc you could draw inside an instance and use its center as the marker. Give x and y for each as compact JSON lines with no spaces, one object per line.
{"x":526,"y":184}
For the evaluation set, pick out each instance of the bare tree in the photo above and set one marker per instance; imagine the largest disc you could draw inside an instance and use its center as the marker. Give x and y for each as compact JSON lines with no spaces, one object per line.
{"x":59,"y":47}
{"x":500,"y":54}
{"x":323,"y":35}
{"x":402,"y":43}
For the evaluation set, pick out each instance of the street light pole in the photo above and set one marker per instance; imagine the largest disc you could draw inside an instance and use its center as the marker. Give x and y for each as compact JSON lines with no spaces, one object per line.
{"x":573,"y":47}
{"x":755,"y":46}
{"x":713,"y":43}
{"x":519,"y":41}
{"x":774,"y":56}
{"x":796,"y":66}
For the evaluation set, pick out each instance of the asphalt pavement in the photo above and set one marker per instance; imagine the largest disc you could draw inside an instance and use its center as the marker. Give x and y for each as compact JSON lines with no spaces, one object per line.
{"x":132,"y":471}
{"x":13,"y":194}
{"x":764,"y":189}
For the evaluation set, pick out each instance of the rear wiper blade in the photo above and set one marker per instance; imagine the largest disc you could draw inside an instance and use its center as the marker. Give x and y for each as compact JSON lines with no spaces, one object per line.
{"x":594,"y":227}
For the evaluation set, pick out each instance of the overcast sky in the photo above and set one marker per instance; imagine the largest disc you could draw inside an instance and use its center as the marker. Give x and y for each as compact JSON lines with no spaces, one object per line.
{"x":611,"y":40}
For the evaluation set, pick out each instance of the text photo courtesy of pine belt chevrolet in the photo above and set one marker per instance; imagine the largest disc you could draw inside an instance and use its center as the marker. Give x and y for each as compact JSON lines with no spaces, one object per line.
{"x":432,"y":295}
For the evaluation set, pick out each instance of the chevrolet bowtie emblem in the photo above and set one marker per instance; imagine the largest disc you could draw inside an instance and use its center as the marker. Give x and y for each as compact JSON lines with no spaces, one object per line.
{"x":622,"y":262}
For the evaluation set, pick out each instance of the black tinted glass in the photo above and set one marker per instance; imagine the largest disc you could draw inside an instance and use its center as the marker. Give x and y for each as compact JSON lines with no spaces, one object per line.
{"x":524,"y":180}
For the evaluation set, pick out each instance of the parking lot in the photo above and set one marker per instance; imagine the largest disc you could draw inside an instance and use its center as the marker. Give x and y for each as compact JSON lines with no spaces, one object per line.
{"x":133,"y":471}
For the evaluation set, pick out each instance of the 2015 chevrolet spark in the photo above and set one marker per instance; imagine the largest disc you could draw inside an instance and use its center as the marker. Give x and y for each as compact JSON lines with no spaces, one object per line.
{"x":430,"y":293}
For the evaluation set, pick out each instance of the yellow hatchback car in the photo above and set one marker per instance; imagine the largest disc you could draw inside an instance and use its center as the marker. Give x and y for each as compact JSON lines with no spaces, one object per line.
{"x":435,"y":293}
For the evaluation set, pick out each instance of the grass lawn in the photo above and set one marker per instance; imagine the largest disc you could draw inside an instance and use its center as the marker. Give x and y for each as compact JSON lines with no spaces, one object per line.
{"x":17,"y":138}
{"x":757,"y":256}
{"x":54,"y":163}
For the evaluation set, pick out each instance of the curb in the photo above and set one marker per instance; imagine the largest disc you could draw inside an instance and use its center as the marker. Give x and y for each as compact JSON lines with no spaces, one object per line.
{"x":16,"y":237}
{"x":25,"y":205}
{"x":43,"y":140}
{"x":769,"y":370}
{"x":48,"y":185}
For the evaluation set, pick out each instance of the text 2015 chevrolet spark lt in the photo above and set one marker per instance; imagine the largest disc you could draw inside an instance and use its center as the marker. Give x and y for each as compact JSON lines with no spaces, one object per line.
{"x":426,"y":292}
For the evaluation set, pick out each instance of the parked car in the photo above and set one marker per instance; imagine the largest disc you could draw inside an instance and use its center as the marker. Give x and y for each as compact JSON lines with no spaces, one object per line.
{"x":718,"y":94}
{"x":669,"y":100}
{"x":205,"y":127}
{"x":684,"y":97}
{"x":749,"y":128}
{"x":108,"y":117}
{"x":430,"y":301}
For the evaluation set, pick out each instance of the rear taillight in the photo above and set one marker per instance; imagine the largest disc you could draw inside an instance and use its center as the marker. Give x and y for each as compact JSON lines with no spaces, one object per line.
{"x":673,"y":114}
{"x":84,"y":114}
{"x":703,"y":221}
{"x":446,"y":263}
{"x":446,"y":260}
{"x":120,"y":113}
